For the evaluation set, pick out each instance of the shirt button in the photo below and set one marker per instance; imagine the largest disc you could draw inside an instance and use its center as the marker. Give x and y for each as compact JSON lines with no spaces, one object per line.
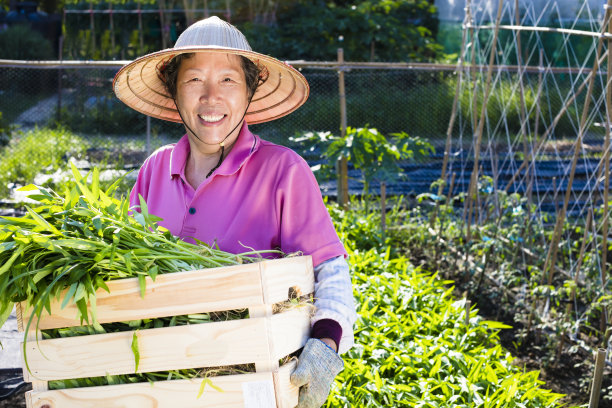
{"x":192,"y":211}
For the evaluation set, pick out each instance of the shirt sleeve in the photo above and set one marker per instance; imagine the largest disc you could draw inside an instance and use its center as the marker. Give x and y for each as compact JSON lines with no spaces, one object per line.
{"x":141,"y":186}
{"x":334,"y":298}
{"x":305,"y":225}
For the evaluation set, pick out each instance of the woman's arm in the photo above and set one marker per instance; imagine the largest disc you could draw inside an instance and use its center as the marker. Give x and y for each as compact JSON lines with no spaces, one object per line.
{"x":334,"y":302}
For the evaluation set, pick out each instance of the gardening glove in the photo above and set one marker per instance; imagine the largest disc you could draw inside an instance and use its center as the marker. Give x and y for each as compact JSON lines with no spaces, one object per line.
{"x":317,"y":367}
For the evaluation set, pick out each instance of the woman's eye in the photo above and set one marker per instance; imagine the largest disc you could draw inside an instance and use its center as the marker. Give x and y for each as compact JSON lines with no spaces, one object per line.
{"x":227,"y":79}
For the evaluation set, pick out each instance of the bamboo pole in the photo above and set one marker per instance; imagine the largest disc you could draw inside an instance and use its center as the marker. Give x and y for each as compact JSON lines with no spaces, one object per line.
{"x":597,"y":378}
{"x":543,"y":29}
{"x":606,"y":174}
{"x":92,"y":30}
{"x":551,"y":258}
{"x":342,"y":165}
{"x":451,"y":122}
{"x":322,"y":65}
{"x":162,"y":23}
{"x":522,"y":107}
{"x":112,"y":30}
{"x":483,"y":110}
{"x":140,"y":32}
{"x":536,"y":127}
{"x":449,"y":194}
{"x":189,"y":14}
{"x":383,"y":209}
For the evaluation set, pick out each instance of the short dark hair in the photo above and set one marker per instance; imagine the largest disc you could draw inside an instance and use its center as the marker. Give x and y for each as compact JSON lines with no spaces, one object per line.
{"x":169,"y":73}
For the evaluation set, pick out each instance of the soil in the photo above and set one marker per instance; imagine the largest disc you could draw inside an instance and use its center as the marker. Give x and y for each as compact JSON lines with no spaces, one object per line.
{"x":563,"y":376}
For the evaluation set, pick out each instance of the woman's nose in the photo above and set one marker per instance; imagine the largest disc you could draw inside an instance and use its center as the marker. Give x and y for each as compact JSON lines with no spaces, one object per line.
{"x":209,"y":92}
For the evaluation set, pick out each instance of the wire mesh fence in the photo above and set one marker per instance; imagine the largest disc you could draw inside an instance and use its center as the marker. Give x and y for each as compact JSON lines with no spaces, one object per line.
{"x":412,"y":98}
{"x":79,"y":97}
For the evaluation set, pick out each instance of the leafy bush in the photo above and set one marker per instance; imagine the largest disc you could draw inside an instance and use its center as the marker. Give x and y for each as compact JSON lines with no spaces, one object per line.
{"x":29,"y":153}
{"x":20,"y":42}
{"x":388,"y":30}
{"x":413,"y":347}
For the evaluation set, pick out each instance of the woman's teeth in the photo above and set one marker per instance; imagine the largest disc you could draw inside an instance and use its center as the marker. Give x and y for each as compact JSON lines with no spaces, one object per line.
{"x":211,"y":118}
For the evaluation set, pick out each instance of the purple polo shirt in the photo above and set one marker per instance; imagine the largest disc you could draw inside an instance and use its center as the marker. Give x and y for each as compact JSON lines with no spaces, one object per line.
{"x":263,"y":196}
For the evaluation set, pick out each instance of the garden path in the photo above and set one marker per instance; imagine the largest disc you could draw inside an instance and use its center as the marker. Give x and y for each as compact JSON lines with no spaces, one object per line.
{"x":10,"y":338}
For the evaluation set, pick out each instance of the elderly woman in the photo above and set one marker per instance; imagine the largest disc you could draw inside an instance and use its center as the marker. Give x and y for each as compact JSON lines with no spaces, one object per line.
{"x":224,"y":186}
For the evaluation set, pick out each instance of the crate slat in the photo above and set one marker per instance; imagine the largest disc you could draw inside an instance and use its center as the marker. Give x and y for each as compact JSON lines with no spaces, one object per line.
{"x":289,"y":331}
{"x":280,"y":275}
{"x":208,"y":290}
{"x":171,"y":394}
{"x":169,"y":348}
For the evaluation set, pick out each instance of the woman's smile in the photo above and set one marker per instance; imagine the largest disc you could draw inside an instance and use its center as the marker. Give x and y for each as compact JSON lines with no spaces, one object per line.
{"x":211,"y":119}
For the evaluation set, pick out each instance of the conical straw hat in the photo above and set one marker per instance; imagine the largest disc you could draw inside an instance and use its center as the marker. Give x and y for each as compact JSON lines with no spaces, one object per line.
{"x":138,"y":84}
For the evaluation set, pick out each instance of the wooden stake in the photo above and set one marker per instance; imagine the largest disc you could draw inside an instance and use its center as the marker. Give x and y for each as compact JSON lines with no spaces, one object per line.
{"x":383,"y":209}
{"x":545,"y":29}
{"x":112,"y":30}
{"x":551,"y":258}
{"x":441,"y":225}
{"x":606,"y":173}
{"x":140,"y":32}
{"x":342,"y":189}
{"x":478,"y":135}
{"x":468,"y":306}
{"x":92,"y":30}
{"x":597,"y":378}
{"x":522,"y":108}
{"x":451,"y":123}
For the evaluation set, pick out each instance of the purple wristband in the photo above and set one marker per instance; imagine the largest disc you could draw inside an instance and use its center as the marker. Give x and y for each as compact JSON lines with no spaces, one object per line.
{"x":327,"y":328}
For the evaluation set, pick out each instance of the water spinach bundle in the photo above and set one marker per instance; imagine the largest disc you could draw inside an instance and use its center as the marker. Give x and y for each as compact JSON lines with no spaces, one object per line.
{"x":71,"y":244}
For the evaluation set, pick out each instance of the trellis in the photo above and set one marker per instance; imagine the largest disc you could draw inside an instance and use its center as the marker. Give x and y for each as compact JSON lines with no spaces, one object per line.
{"x":484,"y":136}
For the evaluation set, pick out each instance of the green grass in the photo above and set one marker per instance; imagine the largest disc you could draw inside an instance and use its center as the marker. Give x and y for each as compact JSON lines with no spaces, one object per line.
{"x":413,"y":347}
{"x":33,"y":152}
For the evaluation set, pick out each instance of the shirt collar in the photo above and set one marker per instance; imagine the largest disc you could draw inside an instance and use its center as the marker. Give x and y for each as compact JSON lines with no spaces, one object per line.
{"x":246,"y":144}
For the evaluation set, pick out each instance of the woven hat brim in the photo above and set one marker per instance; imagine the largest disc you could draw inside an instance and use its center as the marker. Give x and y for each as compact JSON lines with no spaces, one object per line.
{"x":139,"y":86}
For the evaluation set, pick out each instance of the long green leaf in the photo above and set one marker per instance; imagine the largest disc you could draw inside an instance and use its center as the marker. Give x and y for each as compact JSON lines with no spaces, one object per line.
{"x":135,"y":350}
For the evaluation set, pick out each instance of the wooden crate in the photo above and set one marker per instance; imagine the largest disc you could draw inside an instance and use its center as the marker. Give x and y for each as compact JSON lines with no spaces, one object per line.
{"x":261,"y":339}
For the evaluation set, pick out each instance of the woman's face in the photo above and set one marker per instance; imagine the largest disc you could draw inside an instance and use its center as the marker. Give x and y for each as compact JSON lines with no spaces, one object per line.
{"x":212,"y":96}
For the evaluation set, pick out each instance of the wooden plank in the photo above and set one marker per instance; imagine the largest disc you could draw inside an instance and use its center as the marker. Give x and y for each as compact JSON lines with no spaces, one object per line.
{"x":289,"y":393}
{"x":169,"y":348}
{"x":265,"y":310}
{"x":280,"y":275}
{"x":162,"y":394}
{"x":215,"y":289}
{"x":37,"y":385}
{"x":171,"y":394}
{"x":289,"y":331}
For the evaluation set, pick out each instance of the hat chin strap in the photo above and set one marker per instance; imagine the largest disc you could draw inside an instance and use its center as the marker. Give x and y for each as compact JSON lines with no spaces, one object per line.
{"x":222,"y":143}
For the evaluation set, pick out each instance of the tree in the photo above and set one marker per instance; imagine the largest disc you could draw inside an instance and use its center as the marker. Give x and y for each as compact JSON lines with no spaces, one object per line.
{"x":373,"y":30}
